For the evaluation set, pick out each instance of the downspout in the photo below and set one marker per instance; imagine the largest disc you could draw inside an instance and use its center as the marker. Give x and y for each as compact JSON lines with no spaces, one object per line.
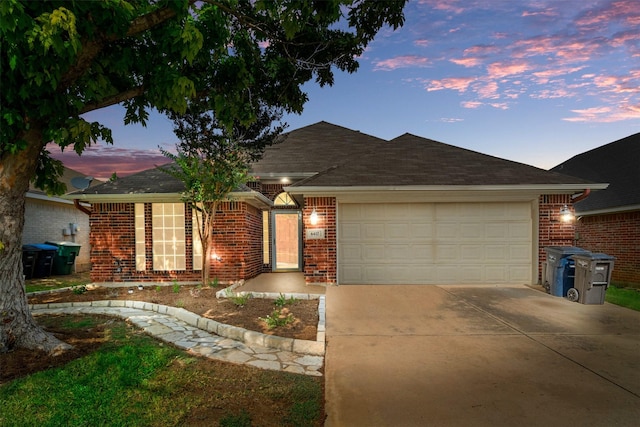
{"x":78,"y":206}
{"x":581,"y":196}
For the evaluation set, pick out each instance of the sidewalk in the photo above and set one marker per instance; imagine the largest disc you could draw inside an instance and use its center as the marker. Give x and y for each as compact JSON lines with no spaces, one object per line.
{"x":202,"y":337}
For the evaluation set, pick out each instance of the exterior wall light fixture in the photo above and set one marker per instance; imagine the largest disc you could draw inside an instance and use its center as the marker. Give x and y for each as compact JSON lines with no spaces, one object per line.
{"x":565,"y":214}
{"x":314,"y":217}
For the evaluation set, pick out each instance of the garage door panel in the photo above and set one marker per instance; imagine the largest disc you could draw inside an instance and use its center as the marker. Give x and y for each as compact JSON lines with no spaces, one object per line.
{"x":435,"y":243}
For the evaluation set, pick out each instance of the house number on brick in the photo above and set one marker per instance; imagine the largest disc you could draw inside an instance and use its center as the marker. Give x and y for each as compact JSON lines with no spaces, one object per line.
{"x":315,"y":233}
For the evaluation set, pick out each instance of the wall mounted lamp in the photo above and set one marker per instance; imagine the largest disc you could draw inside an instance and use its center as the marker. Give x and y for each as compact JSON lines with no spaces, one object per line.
{"x":314,"y":217}
{"x":565,"y":214}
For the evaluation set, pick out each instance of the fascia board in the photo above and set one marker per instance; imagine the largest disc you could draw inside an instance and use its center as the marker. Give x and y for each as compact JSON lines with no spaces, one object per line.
{"x":533,"y":188}
{"x":56,"y":199}
{"x":617,"y":209}
{"x":252,"y":197}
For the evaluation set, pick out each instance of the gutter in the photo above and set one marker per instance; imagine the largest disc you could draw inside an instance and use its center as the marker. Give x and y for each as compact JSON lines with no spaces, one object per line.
{"x":81,"y":208}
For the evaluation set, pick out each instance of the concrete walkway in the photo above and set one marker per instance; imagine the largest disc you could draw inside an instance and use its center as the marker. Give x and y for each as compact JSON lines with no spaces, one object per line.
{"x":201,"y":336}
{"x":478,"y":356}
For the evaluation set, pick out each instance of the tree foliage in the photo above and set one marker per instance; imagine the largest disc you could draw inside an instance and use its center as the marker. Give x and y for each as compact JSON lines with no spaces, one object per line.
{"x":60,"y":59}
{"x":213,"y":160}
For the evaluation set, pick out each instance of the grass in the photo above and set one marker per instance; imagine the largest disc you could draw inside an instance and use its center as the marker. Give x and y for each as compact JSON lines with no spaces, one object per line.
{"x":625,"y":297}
{"x":134,"y":380}
{"x":57,"y":282}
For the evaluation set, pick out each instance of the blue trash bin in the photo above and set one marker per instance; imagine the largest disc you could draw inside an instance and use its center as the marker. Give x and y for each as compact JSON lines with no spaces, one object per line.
{"x":560,"y":269}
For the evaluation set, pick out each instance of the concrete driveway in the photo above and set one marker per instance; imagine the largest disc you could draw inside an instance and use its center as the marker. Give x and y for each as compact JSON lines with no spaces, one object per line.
{"x":481,"y":356}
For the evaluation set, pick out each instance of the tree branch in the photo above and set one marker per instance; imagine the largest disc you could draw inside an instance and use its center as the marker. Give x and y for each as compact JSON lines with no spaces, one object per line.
{"x":112,"y":100}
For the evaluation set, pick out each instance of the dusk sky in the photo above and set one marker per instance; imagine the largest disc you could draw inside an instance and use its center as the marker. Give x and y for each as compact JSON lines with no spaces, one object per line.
{"x":534,"y":81}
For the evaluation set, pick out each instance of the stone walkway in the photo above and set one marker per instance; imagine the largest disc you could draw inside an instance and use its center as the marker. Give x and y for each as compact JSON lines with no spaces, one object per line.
{"x":191,"y":332}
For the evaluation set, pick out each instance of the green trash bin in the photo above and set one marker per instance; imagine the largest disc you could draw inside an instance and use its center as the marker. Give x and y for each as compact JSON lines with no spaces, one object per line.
{"x":65,"y":257}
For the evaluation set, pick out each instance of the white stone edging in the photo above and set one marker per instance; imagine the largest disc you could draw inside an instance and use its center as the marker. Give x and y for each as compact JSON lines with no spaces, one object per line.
{"x":315,"y":348}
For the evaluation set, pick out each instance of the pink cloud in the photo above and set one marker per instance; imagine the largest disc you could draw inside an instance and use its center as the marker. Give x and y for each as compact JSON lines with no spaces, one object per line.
{"x":487,"y":90}
{"x":422,"y":42}
{"x":102,"y":161}
{"x":445,"y":5}
{"x":543,"y":77}
{"x":472,"y":104}
{"x":467,"y":62}
{"x":499,"y":70}
{"x":401,"y":62}
{"x":461,"y":84}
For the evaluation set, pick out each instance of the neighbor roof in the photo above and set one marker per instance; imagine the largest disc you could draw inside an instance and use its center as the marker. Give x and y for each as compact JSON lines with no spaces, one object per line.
{"x":340,"y":157}
{"x":617,"y":163}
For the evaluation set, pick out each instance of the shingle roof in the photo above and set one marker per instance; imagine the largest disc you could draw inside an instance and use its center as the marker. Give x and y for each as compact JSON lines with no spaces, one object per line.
{"x":617,"y":163}
{"x":343,"y":158}
{"x":146,"y":182}
{"x":67,"y":175}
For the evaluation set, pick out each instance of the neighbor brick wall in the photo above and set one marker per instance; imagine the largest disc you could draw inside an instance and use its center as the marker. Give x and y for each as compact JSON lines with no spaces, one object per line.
{"x":237,"y":236}
{"x":552,"y":231}
{"x":320,"y":256}
{"x":615,"y":234}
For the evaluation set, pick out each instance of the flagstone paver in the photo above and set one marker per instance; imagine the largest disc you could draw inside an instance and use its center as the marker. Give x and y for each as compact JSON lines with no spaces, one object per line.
{"x":180,"y":333}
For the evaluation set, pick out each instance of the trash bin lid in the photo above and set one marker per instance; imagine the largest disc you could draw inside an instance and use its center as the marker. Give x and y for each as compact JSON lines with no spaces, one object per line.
{"x":70,"y":244}
{"x":45,"y":247}
{"x":565,"y":249}
{"x":594,"y":256}
{"x":31,"y":248}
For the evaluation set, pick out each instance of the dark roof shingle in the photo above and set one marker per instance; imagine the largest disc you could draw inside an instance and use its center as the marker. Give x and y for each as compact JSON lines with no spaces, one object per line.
{"x":617,"y":163}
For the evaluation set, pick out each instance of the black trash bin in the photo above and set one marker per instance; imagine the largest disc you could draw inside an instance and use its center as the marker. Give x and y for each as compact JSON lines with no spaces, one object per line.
{"x":560,"y":269}
{"x":44,"y":260}
{"x":29,"y":259}
{"x":65,"y":257}
{"x":593,"y":276}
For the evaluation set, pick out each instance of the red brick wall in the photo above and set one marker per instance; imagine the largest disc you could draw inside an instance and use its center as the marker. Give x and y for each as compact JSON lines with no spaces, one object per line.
{"x":113,"y":244}
{"x":614,"y":234}
{"x":237,"y":239}
{"x":320,"y":256}
{"x":552,"y":230}
{"x":269,"y":190}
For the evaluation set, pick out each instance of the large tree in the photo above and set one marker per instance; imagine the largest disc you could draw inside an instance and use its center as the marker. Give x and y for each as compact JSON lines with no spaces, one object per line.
{"x":61,"y":59}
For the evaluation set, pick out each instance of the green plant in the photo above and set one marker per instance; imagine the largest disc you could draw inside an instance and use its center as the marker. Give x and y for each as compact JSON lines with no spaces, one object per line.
{"x":79,"y":290}
{"x":158,"y":288}
{"x":282,"y":300}
{"x":180,"y":303}
{"x":175,"y":287}
{"x":214,"y":283}
{"x":237,"y":299}
{"x":278,"y":318}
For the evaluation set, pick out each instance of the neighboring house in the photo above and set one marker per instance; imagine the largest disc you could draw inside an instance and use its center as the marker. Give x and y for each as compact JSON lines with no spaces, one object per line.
{"x":346,"y":208}
{"x":609,"y":221}
{"x":55,"y":219}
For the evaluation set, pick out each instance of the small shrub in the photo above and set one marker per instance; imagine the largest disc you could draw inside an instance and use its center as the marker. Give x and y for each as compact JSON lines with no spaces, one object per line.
{"x":79,"y":290}
{"x":214,"y":283}
{"x":158,"y":288}
{"x":281,"y":301}
{"x":175,"y":287}
{"x":238,"y":300}
{"x":180,"y":303}
{"x":278,"y":318}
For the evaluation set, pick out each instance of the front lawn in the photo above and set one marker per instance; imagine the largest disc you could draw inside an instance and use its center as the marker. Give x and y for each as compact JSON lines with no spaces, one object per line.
{"x":132,"y":379}
{"x":625,"y":297}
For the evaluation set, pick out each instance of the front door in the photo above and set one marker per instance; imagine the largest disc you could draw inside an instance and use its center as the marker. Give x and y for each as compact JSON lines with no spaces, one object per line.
{"x":286,"y":240}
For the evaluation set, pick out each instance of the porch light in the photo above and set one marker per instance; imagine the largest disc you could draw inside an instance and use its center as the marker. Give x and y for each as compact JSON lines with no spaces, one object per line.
{"x":216,"y":257}
{"x":314,"y":217}
{"x":565,"y":214}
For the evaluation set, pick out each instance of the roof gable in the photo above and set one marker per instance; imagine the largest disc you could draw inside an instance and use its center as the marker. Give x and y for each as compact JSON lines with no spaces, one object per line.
{"x":617,"y":163}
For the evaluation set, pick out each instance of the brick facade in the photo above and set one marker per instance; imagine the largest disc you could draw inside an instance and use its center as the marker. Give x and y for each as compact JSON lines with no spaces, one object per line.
{"x":237,"y":241}
{"x":616,"y":234}
{"x":320,"y":255}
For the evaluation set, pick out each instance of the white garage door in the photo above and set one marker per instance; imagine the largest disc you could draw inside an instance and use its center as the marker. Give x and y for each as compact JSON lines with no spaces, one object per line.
{"x":435,"y":243}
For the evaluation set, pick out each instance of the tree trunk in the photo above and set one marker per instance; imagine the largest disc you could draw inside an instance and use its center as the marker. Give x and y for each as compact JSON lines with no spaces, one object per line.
{"x":17,"y":326}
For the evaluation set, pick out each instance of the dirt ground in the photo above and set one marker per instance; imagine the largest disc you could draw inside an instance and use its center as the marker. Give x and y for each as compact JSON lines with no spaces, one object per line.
{"x":203,"y":302}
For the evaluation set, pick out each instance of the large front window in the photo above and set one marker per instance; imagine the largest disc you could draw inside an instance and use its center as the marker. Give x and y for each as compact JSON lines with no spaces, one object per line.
{"x":168,"y":232}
